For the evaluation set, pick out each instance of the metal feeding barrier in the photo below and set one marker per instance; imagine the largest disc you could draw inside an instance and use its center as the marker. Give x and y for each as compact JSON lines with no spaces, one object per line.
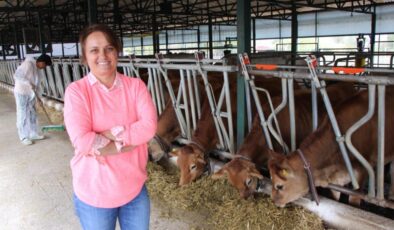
{"x":185,"y":97}
{"x":344,"y":140}
{"x":186,"y":93}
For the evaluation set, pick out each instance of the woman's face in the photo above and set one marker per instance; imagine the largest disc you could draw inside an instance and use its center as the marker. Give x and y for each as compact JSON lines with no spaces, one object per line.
{"x":101,"y":56}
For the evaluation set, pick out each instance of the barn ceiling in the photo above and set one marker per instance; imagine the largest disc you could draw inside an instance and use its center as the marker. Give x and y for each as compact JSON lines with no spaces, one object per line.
{"x":63,"y":19}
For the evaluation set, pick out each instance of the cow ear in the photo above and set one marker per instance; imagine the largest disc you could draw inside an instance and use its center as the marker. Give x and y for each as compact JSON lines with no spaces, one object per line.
{"x":201,"y":160}
{"x":253,"y":172}
{"x":220,"y":174}
{"x":281,"y":167}
{"x":284,"y":170}
{"x":274,"y":155}
{"x":174,"y":152}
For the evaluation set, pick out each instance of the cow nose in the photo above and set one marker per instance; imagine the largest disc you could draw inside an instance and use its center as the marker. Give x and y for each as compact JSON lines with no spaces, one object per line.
{"x":260,"y":185}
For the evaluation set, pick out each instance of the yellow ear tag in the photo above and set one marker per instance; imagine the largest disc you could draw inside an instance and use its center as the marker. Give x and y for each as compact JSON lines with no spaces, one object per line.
{"x":284,"y":172}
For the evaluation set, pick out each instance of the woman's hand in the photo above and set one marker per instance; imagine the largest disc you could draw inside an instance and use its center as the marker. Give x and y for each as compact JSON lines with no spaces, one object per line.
{"x":108,"y":134}
{"x":127,"y":148}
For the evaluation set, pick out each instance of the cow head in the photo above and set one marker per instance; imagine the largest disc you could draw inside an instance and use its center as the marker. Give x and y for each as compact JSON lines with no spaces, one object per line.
{"x":242,"y":174}
{"x":289,"y":181}
{"x":157,"y":149}
{"x":191,"y":163}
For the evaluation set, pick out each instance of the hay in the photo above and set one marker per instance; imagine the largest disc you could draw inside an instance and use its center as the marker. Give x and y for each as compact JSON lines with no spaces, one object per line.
{"x":222,"y":205}
{"x":55,"y":116}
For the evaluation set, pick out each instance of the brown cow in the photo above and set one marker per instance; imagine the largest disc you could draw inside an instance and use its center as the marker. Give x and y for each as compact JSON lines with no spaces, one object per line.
{"x":289,"y":180}
{"x":242,"y":172}
{"x":168,"y":126}
{"x":192,"y":158}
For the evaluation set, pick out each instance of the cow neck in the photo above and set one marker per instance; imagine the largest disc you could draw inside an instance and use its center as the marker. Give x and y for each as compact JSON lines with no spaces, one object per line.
{"x":311,"y":181}
{"x":205,"y":133}
{"x":163,"y":144}
{"x":322,"y":151}
{"x":254,"y":148}
{"x":199,"y":146}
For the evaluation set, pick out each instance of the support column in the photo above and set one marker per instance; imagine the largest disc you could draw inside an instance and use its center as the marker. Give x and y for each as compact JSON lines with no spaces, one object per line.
{"x":155,"y":35}
{"x":118,"y":22}
{"x":198,"y":38}
{"x":294,"y":34}
{"x":62,"y":48}
{"x":210,"y":37}
{"x":142,"y":45}
{"x":18,"y":53}
{"x":167,"y":51}
{"x":243,"y":34}
{"x":40,"y":34}
{"x":372,"y":38}
{"x":2,"y":45}
{"x":92,"y":12}
{"x":254,"y":35}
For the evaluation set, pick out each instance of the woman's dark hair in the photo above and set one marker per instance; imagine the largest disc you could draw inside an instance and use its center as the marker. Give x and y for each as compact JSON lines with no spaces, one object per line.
{"x":108,"y":33}
{"x":44,"y":58}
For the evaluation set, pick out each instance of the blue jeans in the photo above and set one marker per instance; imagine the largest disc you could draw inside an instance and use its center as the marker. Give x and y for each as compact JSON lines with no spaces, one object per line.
{"x":132,"y":216}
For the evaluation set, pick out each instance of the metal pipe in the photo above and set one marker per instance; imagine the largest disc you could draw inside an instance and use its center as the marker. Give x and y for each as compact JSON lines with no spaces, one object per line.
{"x":181,"y":120}
{"x":292,"y":114}
{"x":230,"y":115}
{"x":186,"y":105}
{"x":315,"y":115}
{"x":249,"y":115}
{"x":197,"y":94}
{"x":211,"y":99}
{"x":272,"y":116}
{"x":256,"y":98}
{"x":371,"y":79}
{"x":381,"y":140}
{"x":340,"y":139}
{"x":151,"y":85}
{"x":372,"y":200}
{"x":353,"y":150}
{"x":191,"y":99}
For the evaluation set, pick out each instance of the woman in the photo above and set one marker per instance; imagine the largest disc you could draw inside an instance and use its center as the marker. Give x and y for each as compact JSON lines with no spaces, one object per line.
{"x":109,"y":118}
{"x":27,"y":83}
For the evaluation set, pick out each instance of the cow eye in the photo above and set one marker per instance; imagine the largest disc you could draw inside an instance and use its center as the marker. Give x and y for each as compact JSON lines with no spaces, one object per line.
{"x":192,"y":167}
{"x":248,"y":182}
{"x":278,"y":187}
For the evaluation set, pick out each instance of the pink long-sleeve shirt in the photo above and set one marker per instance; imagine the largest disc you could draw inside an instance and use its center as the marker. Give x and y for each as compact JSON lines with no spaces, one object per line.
{"x":90,"y":108}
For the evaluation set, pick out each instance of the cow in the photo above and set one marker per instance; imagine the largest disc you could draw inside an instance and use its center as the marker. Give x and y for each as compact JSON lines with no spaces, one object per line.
{"x":243,"y":171}
{"x":167,"y":126}
{"x":192,"y":158}
{"x":321,"y":150}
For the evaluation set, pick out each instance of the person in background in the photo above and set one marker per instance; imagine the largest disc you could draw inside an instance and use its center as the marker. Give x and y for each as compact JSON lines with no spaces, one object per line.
{"x":27,"y":88}
{"x":109,"y":118}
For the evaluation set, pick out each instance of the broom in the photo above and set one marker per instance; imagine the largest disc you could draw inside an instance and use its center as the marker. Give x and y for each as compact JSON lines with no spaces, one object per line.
{"x":50,"y":127}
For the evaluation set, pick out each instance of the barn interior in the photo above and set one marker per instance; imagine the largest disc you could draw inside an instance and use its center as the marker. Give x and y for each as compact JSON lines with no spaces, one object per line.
{"x":312,"y":42}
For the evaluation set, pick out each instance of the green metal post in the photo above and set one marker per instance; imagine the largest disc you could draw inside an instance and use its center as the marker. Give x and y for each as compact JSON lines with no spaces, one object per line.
{"x":244,"y":39}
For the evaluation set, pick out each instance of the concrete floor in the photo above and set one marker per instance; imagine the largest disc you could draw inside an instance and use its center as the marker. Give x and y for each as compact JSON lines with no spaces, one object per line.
{"x":35,"y":181}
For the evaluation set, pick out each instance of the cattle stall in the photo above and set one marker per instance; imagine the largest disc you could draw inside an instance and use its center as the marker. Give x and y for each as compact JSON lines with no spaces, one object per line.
{"x":375,"y":193}
{"x":186,"y":100}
